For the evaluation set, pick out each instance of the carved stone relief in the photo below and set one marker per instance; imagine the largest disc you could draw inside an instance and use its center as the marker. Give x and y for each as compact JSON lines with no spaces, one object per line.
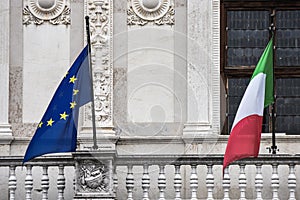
{"x":93,"y":176}
{"x":100,"y":13}
{"x":53,"y":11}
{"x":159,"y":12}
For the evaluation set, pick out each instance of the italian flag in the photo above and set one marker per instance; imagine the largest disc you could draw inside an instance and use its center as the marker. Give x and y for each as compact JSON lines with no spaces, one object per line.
{"x":244,"y":139}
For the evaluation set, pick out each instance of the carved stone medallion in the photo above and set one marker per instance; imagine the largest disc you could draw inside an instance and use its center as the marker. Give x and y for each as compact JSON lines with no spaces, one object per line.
{"x":93,"y":176}
{"x":39,"y":11}
{"x":141,"y":12}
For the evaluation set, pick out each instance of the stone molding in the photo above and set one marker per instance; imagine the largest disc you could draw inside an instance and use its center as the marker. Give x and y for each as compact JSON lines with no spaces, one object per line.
{"x":101,"y":30}
{"x":158,"y":12}
{"x":53,"y":11}
{"x":215,"y":78}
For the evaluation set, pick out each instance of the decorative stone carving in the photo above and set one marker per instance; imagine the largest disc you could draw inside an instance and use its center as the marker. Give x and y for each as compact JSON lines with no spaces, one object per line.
{"x":54,"y":11}
{"x":159,"y":12}
{"x":100,"y":13}
{"x":93,"y":176}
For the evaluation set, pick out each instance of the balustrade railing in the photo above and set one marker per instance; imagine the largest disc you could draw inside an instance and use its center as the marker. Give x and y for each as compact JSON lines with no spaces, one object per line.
{"x":253,"y":178}
{"x":163,"y":177}
{"x":44,"y":163}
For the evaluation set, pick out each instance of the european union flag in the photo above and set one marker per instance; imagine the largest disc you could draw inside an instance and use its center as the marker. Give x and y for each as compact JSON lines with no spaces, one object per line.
{"x":57,"y":131}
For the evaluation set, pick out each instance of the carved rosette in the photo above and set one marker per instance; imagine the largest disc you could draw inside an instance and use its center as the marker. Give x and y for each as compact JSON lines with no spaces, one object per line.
{"x":101,"y":30}
{"x":159,"y":12}
{"x":53,"y":11}
{"x":93,"y":176}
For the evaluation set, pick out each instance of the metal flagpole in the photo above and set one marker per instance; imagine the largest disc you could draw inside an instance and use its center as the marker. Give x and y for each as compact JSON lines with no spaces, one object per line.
{"x":273,"y":148}
{"x":87,"y":25}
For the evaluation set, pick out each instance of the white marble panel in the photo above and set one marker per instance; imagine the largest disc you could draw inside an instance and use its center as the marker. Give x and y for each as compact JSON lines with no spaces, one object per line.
{"x":46,"y":60}
{"x":150,"y":74}
{"x":199,"y":61}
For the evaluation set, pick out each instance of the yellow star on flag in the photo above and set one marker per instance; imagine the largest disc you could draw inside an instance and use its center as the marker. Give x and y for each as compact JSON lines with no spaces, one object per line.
{"x":40,"y":124}
{"x":75,"y":92}
{"x":73,"y":104}
{"x":64,"y":116}
{"x":50,"y":122}
{"x":72,"y":79}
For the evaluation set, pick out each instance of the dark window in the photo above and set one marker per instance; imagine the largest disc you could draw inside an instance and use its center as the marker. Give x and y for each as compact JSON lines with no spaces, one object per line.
{"x":245,"y":28}
{"x":288,"y":105}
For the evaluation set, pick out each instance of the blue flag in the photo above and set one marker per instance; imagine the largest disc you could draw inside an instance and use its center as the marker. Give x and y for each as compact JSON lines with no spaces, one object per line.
{"x":57,"y":131}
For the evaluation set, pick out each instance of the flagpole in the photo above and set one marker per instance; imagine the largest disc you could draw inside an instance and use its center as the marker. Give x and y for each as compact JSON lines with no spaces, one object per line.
{"x":87,"y":25}
{"x":273,"y":149}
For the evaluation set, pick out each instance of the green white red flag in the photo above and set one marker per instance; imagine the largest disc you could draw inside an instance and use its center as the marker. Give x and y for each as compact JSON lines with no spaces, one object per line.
{"x":244,"y":139}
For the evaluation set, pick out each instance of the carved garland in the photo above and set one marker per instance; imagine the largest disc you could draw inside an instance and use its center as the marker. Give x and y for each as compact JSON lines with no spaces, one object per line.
{"x":100,"y":13}
{"x":53,"y":11}
{"x":159,"y":12}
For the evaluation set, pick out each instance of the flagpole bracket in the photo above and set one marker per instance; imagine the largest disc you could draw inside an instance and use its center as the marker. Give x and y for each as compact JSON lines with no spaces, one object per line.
{"x":273,"y":149}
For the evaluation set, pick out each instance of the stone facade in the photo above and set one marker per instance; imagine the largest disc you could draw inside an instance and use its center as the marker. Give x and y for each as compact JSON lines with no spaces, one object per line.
{"x":156,"y":68}
{"x":154,"y":77}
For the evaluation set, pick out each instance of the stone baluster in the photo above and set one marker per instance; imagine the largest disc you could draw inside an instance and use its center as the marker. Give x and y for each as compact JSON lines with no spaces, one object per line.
{"x":275,"y":182}
{"x":146,"y":183}
{"x":258,"y":182}
{"x":177,"y":183}
{"x":12,"y":182}
{"x":210,"y":182}
{"x":226,"y":184}
{"x":115,"y":180}
{"x":292,"y":182}
{"x":28,"y":182}
{"x":45,"y":183}
{"x":162,"y":182}
{"x":61,"y":182}
{"x":129,"y":183}
{"x":194,"y":182}
{"x":242,"y":182}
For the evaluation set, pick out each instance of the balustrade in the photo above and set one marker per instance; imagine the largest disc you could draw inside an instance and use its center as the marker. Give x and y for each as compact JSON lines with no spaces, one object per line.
{"x":45,"y":183}
{"x":12,"y":181}
{"x":177,"y":183}
{"x":226,"y":184}
{"x":242,"y":182}
{"x":258,"y":182}
{"x":61,"y":182}
{"x":292,"y":182}
{"x":16,"y":190}
{"x":129,"y":183}
{"x":209,"y":182}
{"x":188,"y":173}
{"x":161,"y":182}
{"x":194,"y":190}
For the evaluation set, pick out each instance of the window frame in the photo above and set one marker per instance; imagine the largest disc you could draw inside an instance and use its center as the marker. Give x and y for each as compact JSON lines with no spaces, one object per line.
{"x":227,"y":72}
{"x":227,"y":5}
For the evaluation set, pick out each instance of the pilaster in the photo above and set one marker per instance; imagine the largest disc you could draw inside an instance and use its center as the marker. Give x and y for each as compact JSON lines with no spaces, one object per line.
{"x":101,"y":30}
{"x":203,"y":93}
{"x":5,"y":127}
